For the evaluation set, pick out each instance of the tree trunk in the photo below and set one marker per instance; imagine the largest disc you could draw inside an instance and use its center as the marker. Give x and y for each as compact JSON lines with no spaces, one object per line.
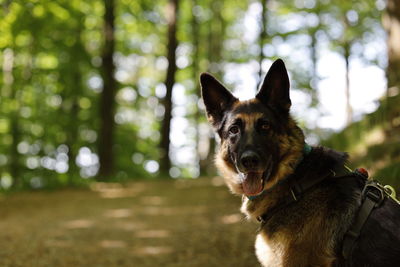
{"x":349,"y":109}
{"x":172,"y":15}
{"x":392,"y":25}
{"x":72,"y":134}
{"x":391,"y":22}
{"x":16,"y":134}
{"x":215,"y":43}
{"x":73,"y":91}
{"x":314,"y":72}
{"x":195,"y":68}
{"x":10,"y":91}
{"x":13,"y":90}
{"x":262,"y":39}
{"x":107,"y":105}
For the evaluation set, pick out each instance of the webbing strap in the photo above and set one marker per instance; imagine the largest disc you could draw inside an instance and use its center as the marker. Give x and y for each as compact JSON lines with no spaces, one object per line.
{"x":354,"y":232}
{"x":373,"y":194}
{"x":297,"y":189}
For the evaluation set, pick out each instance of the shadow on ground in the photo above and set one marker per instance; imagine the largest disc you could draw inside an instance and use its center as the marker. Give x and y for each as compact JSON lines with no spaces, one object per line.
{"x":152,"y":223}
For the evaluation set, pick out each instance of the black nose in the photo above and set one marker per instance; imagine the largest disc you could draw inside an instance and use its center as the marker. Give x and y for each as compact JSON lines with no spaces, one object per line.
{"x":250,"y":160}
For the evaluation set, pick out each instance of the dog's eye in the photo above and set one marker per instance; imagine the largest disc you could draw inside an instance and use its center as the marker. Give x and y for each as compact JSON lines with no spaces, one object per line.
{"x":234,"y":130}
{"x":265,"y":126}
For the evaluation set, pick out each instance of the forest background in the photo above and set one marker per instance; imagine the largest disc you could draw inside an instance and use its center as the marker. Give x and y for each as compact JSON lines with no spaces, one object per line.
{"x":108,"y":90}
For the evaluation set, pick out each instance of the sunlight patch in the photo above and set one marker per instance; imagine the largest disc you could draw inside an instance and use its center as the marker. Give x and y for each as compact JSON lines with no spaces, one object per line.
{"x":115,"y":190}
{"x":373,"y":137}
{"x":170,"y":211}
{"x":152,"y":200}
{"x":153,"y":234}
{"x":129,"y":226}
{"x":118,"y":213}
{"x":231,"y":219}
{"x":77,"y":224}
{"x":112,"y":244}
{"x":152,"y":250}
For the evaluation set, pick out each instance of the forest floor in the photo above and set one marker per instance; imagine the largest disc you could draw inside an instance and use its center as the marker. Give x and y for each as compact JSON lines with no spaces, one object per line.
{"x":147,"y":223}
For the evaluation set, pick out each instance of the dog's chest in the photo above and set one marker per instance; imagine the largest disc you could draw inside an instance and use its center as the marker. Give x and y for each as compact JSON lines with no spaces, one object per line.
{"x":269,"y":252}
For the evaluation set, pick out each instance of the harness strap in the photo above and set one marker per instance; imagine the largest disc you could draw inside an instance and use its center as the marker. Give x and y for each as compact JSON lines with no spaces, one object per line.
{"x":373,"y":195}
{"x":298,"y":187}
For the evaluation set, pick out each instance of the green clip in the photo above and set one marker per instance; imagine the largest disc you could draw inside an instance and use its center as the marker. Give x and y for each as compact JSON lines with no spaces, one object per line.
{"x":392,"y":192}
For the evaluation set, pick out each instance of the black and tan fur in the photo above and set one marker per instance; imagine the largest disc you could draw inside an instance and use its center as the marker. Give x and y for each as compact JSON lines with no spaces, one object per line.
{"x":260,"y":142}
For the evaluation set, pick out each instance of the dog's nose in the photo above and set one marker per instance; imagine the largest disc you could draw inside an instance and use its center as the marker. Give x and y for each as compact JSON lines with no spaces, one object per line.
{"x":249,"y":160}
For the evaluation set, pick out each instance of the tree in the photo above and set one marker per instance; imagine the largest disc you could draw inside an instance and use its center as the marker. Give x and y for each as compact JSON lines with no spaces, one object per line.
{"x":351,"y":16}
{"x":14,"y":95}
{"x":172,"y":17}
{"x":107,"y":104}
{"x":392,"y":25}
{"x":262,"y":38}
{"x":195,"y":73}
{"x":216,"y":34}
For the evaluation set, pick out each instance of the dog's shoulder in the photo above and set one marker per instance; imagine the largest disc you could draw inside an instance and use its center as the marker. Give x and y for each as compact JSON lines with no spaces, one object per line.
{"x":321,"y":159}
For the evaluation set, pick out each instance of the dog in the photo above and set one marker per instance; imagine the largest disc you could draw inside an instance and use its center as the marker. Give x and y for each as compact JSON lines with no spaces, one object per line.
{"x":312,"y":210}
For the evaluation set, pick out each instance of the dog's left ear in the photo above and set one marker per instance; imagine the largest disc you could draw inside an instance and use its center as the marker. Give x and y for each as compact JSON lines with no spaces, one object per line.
{"x":274,"y":90}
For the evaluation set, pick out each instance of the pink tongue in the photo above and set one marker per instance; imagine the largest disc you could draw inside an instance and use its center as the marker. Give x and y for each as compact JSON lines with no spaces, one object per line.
{"x":252,"y":184}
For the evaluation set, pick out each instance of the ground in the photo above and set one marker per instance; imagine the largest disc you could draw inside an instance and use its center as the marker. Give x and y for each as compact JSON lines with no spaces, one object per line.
{"x":147,"y":223}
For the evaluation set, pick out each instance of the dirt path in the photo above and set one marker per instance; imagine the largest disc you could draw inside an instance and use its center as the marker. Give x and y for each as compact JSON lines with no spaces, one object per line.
{"x":155,"y":223}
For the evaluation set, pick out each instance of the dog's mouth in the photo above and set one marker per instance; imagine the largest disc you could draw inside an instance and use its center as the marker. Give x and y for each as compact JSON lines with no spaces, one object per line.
{"x":253,"y":181}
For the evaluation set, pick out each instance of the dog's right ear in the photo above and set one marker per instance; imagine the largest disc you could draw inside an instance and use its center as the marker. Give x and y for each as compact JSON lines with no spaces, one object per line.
{"x":216,"y":97}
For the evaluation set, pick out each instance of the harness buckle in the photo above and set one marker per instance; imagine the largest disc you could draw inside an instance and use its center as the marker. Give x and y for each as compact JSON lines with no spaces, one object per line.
{"x":375,"y":192}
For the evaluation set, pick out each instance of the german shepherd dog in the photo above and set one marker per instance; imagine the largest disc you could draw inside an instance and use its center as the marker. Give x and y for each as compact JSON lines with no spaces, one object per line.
{"x":263,"y":152}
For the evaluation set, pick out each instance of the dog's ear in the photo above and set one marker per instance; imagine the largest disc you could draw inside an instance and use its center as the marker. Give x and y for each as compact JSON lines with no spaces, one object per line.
{"x":274,"y":90}
{"x":216,"y":97}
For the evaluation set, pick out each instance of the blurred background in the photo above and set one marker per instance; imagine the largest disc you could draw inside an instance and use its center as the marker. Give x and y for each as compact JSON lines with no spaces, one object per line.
{"x":103,"y":96}
{"x":109,"y":90}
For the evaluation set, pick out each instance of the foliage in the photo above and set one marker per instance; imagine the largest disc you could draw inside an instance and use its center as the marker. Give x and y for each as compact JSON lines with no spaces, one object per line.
{"x":50,"y":83}
{"x":373,"y":143}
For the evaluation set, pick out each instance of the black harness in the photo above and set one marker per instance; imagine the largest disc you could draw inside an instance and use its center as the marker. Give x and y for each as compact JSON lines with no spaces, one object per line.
{"x":299,"y":187}
{"x":372,"y":197}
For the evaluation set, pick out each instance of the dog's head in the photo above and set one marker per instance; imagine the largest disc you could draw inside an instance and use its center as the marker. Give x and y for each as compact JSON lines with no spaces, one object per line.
{"x":260,"y":143}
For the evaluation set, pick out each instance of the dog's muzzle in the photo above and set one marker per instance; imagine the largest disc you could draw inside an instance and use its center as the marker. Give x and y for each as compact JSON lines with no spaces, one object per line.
{"x":252,"y":172}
